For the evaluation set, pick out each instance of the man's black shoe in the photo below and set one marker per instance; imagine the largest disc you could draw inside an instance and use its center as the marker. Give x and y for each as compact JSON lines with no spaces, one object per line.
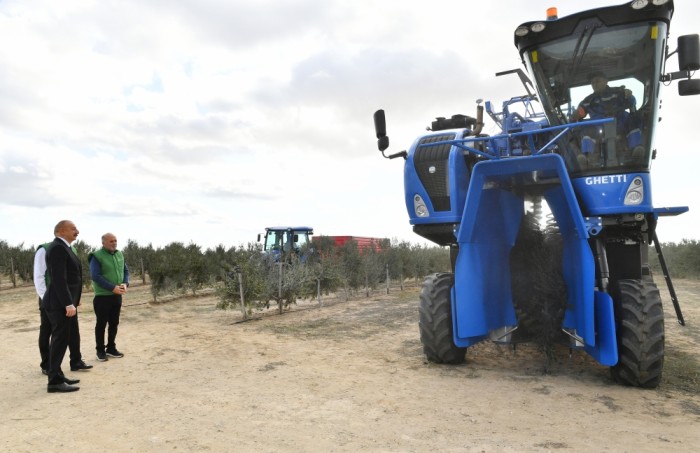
{"x":101,"y":357}
{"x":61,"y":388}
{"x":114,"y":353}
{"x":80,"y":366}
{"x":45,"y":372}
{"x":70,"y":381}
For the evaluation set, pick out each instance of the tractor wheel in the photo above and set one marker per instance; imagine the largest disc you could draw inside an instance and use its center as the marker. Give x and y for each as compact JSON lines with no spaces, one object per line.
{"x":639,"y":317}
{"x":436,"y":320}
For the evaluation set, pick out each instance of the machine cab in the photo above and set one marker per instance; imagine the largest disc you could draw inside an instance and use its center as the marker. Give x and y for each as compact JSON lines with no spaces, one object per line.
{"x":286,"y":239}
{"x":595,"y":65}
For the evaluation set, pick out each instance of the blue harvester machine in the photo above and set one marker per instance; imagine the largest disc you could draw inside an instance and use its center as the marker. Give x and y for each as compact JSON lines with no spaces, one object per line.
{"x":473,"y":192}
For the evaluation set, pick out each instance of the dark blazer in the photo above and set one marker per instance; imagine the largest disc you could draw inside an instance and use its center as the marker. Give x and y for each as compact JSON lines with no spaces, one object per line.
{"x":65,"y":284}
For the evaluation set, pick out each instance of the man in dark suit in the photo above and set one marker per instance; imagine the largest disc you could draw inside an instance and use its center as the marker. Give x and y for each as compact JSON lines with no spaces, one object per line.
{"x":40,"y":274}
{"x":65,"y":286}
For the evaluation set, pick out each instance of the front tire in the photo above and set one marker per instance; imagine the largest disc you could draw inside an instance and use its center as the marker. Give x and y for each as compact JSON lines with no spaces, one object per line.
{"x":436,"y":330}
{"x":639,"y":318}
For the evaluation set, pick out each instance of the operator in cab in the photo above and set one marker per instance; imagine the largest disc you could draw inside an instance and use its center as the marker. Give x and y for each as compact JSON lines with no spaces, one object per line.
{"x":613,"y":102}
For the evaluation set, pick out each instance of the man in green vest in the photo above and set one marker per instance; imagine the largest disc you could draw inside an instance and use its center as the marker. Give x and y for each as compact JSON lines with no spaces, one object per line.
{"x":110,"y":279}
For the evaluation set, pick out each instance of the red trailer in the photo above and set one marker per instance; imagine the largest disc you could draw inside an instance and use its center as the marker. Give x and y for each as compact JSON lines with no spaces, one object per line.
{"x":363,"y":243}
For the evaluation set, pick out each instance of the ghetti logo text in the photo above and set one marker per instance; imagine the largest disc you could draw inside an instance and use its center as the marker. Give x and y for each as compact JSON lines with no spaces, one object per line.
{"x":607,"y":179}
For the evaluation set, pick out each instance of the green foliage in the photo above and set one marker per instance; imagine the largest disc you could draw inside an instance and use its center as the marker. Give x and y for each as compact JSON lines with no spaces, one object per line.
{"x":4,"y":252}
{"x":138,"y":259}
{"x":351,"y":265}
{"x":323,"y":276}
{"x":83,"y":250}
{"x":176,"y":268}
{"x":23,"y":260}
{"x":242,"y":262}
{"x":682,"y":259}
{"x":284,"y":282}
{"x":213,"y":259}
{"x":321,"y":268}
{"x":17,"y":262}
{"x":263,"y":280}
{"x":400,"y":260}
{"x":426,"y":260}
{"x":373,"y":264}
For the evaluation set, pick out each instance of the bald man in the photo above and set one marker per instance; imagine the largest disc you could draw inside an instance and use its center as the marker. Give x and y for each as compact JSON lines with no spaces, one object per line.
{"x":110,"y":279}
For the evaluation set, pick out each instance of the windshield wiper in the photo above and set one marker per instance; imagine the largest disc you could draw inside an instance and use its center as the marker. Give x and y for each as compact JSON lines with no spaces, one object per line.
{"x":577,"y":57}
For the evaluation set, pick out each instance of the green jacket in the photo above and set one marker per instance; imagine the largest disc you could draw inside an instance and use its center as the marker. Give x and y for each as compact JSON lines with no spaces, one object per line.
{"x":107,"y":271}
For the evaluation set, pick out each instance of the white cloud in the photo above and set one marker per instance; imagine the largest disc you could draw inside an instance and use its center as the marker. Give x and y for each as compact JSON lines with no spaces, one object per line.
{"x":207,"y":120}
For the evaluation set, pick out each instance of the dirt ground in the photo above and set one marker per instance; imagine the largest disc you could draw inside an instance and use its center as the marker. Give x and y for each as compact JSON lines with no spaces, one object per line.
{"x":348,"y":376}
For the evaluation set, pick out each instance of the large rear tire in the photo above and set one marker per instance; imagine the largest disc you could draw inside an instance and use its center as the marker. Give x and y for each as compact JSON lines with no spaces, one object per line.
{"x":639,"y":318}
{"x":436,"y":331}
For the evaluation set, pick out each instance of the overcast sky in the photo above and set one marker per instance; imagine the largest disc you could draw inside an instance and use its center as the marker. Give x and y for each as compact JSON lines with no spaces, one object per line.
{"x":206,"y":120}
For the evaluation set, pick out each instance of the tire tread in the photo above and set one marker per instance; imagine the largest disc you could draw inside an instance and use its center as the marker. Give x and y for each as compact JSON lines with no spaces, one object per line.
{"x":435,"y":310}
{"x":640,"y":336}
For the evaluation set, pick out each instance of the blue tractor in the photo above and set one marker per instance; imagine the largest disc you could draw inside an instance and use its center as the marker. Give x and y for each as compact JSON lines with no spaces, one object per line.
{"x":284,"y":242}
{"x":588,"y":162}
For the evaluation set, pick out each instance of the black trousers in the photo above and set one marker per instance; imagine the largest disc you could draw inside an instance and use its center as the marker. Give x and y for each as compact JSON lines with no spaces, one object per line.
{"x":45,"y":340}
{"x":107,"y":311}
{"x":61,"y":327}
{"x":74,"y":341}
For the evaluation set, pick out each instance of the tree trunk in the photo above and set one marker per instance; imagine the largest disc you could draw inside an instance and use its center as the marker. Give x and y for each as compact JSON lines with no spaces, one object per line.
{"x":13,"y":277}
{"x":388,"y":282}
{"x":366,"y":285}
{"x":240,"y":289}
{"x":279,"y":290}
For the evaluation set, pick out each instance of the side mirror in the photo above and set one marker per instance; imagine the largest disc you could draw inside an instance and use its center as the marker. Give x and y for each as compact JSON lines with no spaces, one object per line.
{"x":258,"y":237}
{"x":380,"y":129}
{"x":689,"y":52}
{"x":689,"y":87}
{"x":689,"y":60}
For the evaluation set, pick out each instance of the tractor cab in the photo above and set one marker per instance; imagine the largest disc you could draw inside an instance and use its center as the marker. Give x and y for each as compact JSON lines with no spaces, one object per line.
{"x":602,"y":64}
{"x":285,"y":240}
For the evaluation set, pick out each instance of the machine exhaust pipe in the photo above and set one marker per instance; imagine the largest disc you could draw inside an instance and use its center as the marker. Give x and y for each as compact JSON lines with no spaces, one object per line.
{"x":479,"y":118}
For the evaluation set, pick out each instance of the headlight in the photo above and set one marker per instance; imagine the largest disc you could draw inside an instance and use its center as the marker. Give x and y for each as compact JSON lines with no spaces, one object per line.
{"x":419,"y":206}
{"x":521,"y":31}
{"x":537,"y":27}
{"x":635,"y":192}
{"x":639,"y":4}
